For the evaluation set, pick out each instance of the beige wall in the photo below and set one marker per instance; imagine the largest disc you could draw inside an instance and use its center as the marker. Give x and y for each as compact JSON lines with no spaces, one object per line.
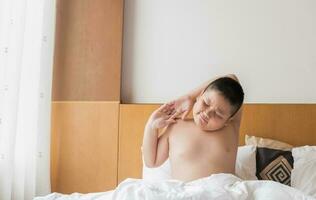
{"x":173,"y":46}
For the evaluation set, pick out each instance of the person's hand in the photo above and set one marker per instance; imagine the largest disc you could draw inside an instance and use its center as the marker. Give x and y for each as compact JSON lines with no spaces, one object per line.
{"x":183,"y":106}
{"x":161,"y":117}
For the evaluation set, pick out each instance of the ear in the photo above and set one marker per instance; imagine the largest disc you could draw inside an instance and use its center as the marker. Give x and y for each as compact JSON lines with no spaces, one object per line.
{"x":200,"y":95}
{"x":202,"y":91}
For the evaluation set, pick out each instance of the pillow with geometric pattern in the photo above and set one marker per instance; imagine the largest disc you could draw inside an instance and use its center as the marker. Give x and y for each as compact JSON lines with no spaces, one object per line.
{"x":274,"y":164}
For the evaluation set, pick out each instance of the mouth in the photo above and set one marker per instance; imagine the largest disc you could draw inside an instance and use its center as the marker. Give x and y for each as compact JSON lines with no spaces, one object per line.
{"x":203,"y":118}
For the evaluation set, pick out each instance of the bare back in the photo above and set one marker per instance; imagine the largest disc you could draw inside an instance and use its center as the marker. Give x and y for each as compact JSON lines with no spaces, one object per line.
{"x":194,"y":153}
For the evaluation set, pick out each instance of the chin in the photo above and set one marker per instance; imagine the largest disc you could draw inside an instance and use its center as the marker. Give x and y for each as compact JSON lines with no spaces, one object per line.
{"x":204,"y":127}
{"x":199,"y":124}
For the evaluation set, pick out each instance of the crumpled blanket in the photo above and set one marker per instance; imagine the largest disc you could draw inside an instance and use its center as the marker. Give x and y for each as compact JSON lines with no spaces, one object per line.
{"x":217,"y":186}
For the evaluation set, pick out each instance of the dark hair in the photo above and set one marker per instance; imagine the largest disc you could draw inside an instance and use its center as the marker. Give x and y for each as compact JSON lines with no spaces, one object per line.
{"x":230,"y":89}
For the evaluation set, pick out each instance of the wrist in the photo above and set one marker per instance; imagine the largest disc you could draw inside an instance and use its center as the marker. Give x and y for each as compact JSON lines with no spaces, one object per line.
{"x":150,"y":125}
{"x":190,"y":97}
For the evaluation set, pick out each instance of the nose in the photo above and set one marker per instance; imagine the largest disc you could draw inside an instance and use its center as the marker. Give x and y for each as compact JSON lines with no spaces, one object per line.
{"x":209,"y":111}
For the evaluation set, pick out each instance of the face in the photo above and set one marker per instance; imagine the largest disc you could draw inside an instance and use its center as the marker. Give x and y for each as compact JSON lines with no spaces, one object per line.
{"x":211,"y":111}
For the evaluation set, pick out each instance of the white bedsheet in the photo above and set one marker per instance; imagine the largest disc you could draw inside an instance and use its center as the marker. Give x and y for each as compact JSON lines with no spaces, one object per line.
{"x":216,"y":186}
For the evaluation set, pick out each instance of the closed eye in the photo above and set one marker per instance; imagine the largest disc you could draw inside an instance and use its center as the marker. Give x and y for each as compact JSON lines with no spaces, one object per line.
{"x":205,"y":102}
{"x":219,"y":115}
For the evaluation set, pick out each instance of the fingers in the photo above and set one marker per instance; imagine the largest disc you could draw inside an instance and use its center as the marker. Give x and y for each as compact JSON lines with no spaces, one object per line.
{"x":170,"y":111}
{"x":170,"y":121}
{"x":162,"y":108}
{"x":175,"y":114}
{"x":167,"y":107}
{"x":171,"y":116}
{"x":171,"y":103}
{"x":185,"y":114}
{"x":165,"y":122}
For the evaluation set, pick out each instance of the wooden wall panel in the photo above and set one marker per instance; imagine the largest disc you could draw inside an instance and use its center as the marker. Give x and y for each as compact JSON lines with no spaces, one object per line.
{"x":292,"y":123}
{"x":87,"y":69}
{"x":133,"y":118}
{"x":87,"y":61}
{"x":84,"y":146}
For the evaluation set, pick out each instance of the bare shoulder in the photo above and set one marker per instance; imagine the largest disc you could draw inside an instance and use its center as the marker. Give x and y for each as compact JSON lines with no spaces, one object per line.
{"x":165,"y":133}
{"x":180,"y":124}
{"x":183,"y":123}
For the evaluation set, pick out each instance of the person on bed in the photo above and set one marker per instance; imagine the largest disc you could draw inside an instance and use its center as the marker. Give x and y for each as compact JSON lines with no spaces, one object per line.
{"x":203,"y":145}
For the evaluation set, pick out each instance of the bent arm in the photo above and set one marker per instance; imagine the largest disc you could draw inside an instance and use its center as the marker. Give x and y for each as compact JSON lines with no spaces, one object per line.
{"x":155,"y":149}
{"x":195,"y":93}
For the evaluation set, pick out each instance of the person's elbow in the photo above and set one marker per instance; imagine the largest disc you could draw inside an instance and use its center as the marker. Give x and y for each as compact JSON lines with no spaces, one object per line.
{"x":150,"y":165}
{"x":233,"y":76}
{"x":147,"y":163}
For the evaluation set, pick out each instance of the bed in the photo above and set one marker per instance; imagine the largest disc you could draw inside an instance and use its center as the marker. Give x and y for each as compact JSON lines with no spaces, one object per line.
{"x":292,"y":124}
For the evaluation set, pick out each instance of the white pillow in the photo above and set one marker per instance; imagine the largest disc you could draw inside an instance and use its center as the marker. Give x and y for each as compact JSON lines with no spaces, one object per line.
{"x":163,"y":172}
{"x":267,"y":143}
{"x":245,"y":166}
{"x":303,"y":175}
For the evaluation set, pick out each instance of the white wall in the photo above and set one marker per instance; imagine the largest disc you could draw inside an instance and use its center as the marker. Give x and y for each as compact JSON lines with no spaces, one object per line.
{"x":172,"y":46}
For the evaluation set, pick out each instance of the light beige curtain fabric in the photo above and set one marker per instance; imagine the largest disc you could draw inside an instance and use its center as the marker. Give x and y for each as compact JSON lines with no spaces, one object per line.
{"x":27,"y":30}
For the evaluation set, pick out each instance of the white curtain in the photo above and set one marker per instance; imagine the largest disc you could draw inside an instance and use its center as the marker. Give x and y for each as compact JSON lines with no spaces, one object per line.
{"x":26,"y":56}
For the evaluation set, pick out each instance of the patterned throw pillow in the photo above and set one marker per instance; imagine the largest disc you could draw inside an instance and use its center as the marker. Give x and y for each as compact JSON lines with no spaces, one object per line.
{"x":274,"y":164}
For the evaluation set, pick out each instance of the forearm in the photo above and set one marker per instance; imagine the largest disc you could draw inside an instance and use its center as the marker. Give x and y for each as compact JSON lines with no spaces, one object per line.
{"x":150,"y":143}
{"x":195,"y":92}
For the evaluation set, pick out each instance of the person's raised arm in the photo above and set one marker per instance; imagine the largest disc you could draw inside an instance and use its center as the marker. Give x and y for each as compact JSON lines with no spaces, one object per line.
{"x":195,"y":92}
{"x":185,"y":103}
{"x":156,"y":149}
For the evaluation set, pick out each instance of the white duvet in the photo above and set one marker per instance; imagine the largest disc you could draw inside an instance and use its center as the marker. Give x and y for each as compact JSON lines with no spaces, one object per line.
{"x":216,"y":186}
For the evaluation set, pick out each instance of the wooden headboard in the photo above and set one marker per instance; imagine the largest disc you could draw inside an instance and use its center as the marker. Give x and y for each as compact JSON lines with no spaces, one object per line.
{"x":96,"y":145}
{"x":291,"y":123}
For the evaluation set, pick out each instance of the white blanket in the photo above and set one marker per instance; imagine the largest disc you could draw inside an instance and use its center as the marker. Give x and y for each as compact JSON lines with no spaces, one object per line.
{"x":216,"y":186}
